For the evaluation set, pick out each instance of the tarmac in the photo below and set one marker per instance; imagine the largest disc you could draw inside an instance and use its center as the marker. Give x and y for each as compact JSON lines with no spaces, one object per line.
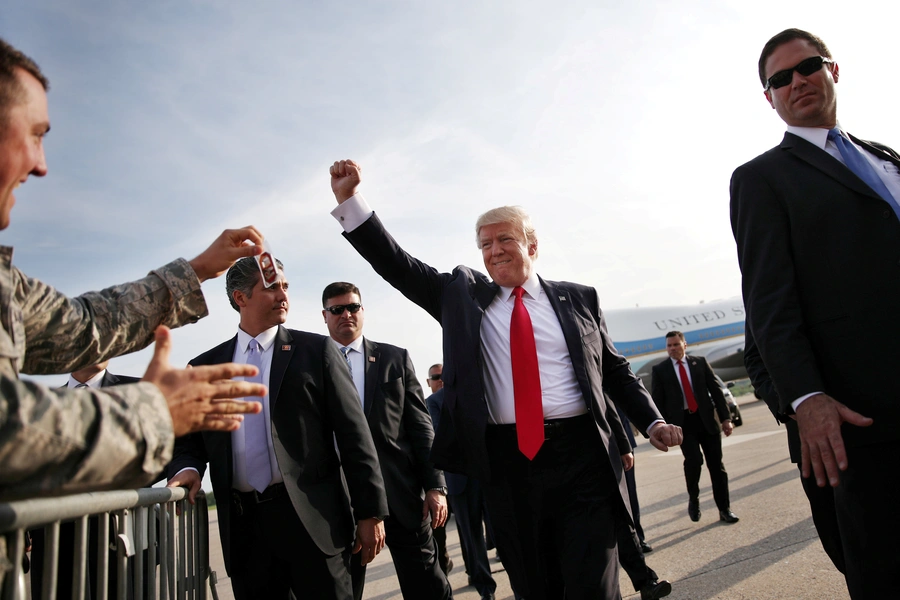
{"x":772,"y":553}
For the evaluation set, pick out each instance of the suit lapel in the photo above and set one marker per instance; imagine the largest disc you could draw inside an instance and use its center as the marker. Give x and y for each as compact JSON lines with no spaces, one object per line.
{"x":372,"y":360}
{"x":485,"y":292}
{"x":697,"y":375}
{"x":564,"y":308}
{"x":828,"y":164}
{"x":109,"y":380}
{"x":282,"y":352}
{"x":880,"y":153}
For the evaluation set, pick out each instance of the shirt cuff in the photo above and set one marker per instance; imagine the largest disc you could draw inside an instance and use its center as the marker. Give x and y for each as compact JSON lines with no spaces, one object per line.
{"x":653,"y":424}
{"x":800,"y":400}
{"x":353,"y":212}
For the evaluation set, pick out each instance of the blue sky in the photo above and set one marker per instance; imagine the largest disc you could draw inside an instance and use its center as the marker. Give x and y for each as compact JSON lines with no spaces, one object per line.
{"x":617,"y":125}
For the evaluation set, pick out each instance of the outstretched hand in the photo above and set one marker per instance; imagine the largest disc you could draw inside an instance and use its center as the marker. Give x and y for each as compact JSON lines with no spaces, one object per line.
{"x":819,"y":419}
{"x":663,"y":436}
{"x":231,"y":245}
{"x":196,"y":396}
{"x":345,"y":178}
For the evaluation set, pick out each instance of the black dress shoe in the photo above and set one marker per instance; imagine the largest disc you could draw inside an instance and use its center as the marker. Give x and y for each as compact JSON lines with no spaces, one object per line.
{"x":694,"y":509}
{"x":656,"y":589}
{"x":646,"y":548}
{"x":728,"y":516}
{"x":488,"y":596}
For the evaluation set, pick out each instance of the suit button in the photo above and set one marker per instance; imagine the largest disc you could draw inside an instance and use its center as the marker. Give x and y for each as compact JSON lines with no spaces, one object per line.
{"x":886,"y":214}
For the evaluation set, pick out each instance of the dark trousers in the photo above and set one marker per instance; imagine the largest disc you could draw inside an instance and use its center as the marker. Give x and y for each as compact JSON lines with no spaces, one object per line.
{"x":695,"y":438}
{"x":821,"y":504}
{"x":554,"y":517}
{"x":635,"y":507}
{"x":631,"y":557}
{"x":272,"y":555}
{"x":469,"y":510}
{"x":414,"y":553}
{"x":440,"y":539}
{"x":869,"y":522}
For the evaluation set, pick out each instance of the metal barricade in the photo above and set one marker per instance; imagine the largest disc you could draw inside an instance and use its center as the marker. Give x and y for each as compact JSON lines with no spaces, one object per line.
{"x":148,"y":525}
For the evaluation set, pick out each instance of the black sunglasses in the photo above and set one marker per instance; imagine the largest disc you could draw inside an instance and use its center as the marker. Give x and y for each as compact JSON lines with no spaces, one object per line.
{"x":434,"y":377}
{"x":805,"y":67}
{"x":338,"y":309}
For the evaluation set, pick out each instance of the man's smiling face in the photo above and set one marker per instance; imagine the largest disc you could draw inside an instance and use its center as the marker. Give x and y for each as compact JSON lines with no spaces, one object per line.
{"x":508,"y":258}
{"x":22,"y":141}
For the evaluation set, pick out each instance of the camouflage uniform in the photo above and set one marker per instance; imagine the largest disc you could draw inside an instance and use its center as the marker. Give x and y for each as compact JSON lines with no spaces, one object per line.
{"x":76,"y":440}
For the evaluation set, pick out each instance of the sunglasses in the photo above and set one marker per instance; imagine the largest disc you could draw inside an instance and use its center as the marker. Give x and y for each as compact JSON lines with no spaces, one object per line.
{"x":338,"y":309}
{"x":804,"y":67}
{"x":434,"y":377}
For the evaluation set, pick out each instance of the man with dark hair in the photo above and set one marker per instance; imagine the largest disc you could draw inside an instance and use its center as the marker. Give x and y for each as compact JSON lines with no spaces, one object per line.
{"x":124,"y":436}
{"x":526,"y":361}
{"x":818,"y":238}
{"x":285,"y":520}
{"x":687,"y":394}
{"x":390,"y":395}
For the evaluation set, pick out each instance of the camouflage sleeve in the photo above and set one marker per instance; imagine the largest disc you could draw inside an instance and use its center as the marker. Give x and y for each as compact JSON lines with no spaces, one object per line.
{"x":63,"y":334}
{"x":67,"y":441}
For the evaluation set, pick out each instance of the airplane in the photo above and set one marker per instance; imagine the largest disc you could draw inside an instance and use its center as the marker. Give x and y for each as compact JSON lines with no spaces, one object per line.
{"x":714,"y":330}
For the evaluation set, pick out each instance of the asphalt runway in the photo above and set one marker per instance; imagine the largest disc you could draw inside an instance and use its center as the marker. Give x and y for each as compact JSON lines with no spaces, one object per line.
{"x":772,"y":553}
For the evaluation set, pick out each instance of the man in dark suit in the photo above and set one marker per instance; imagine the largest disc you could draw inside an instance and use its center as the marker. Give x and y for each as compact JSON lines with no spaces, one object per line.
{"x":434,"y":383}
{"x":525,"y":363}
{"x":687,"y":394}
{"x":94,"y":376}
{"x":467,"y":501}
{"x":401,"y":429}
{"x":818,"y":241}
{"x":284,"y":516}
{"x":821,"y":499}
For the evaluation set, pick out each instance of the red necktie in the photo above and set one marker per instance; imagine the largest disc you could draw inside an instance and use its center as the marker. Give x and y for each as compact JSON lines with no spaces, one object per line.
{"x":686,"y":384}
{"x":526,"y":379}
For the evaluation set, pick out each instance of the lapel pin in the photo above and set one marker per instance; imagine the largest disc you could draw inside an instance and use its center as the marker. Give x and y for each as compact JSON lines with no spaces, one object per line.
{"x":562,"y":298}
{"x":371,"y":359}
{"x":286,"y":347}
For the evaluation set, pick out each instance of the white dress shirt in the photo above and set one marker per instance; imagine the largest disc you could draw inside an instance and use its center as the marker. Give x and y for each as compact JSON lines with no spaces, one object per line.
{"x":266,"y":339}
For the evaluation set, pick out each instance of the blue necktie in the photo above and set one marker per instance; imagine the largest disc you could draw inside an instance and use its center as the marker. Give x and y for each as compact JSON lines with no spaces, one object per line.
{"x":862,"y":168}
{"x":345,"y":350}
{"x":256,"y":438}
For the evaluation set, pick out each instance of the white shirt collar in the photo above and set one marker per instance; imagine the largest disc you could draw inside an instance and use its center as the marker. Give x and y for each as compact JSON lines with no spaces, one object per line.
{"x":354,"y":345}
{"x":265,"y":338}
{"x":532,"y":287}
{"x":817,"y":136}
{"x":94,"y":382}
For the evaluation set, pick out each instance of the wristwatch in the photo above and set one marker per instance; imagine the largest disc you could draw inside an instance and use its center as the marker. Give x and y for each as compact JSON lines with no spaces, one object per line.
{"x":442,"y":490}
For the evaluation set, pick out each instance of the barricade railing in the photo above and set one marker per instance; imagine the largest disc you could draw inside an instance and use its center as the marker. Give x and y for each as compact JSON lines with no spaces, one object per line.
{"x":160,"y":544}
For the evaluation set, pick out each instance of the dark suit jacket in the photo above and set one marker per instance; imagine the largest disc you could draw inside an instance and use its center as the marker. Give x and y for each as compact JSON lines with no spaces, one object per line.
{"x":401,"y":429}
{"x":820,"y":256}
{"x":669,"y":396}
{"x":456,"y":483}
{"x":312,"y":403}
{"x":458,"y":301}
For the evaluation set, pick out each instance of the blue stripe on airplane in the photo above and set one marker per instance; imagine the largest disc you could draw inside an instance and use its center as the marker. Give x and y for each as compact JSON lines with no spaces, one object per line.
{"x":699,"y":336}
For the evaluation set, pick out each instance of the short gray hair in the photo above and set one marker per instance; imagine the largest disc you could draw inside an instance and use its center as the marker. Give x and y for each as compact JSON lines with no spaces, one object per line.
{"x":515,"y":215}
{"x":242,"y":277}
